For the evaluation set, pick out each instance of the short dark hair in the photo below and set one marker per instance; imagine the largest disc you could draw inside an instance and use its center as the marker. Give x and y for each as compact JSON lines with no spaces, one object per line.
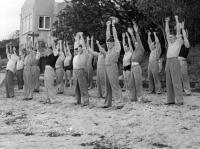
{"x":80,"y":46}
{"x":111,"y":39}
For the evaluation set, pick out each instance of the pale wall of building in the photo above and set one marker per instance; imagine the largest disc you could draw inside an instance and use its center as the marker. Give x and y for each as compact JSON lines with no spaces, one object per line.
{"x":31,"y":11}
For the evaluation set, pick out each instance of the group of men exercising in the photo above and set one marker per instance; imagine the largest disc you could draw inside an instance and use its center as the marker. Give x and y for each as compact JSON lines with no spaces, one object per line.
{"x":59,"y":57}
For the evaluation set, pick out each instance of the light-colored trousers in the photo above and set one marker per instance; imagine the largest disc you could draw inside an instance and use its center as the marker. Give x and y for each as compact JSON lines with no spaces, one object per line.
{"x":101,"y":79}
{"x":185,"y":77}
{"x":153,"y":76}
{"x":49,"y":76}
{"x":20,"y":80}
{"x":136,"y":88}
{"x":36,"y":72}
{"x":59,"y":79}
{"x":29,"y":84}
{"x":173,"y":81}
{"x":113,"y":88}
{"x":81,"y":86}
{"x":90,"y":75}
{"x":9,"y":84}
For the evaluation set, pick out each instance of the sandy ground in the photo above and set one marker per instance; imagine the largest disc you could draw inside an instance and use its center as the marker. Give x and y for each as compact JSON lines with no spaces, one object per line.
{"x":31,"y":124}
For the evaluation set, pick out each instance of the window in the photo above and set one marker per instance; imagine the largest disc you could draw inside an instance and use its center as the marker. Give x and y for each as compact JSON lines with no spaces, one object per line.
{"x":27,"y":24}
{"x":44,"y":22}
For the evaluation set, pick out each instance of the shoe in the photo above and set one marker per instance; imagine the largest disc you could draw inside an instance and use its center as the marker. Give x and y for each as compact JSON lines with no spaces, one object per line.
{"x":168,"y":104}
{"x":179,"y":104}
{"x":151,"y":92}
{"x":106,"y":106}
{"x":26,"y":99}
{"x":36,"y":91}
{"x":188,"y":94}
{"x":83,"y":105}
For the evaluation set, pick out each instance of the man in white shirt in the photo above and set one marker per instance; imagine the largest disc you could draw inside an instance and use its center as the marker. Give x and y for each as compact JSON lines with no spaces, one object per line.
{"x":80,"y":74}
{"x":173,"y":69}
{"x":10,"y":70}
{"x":20,"y":68}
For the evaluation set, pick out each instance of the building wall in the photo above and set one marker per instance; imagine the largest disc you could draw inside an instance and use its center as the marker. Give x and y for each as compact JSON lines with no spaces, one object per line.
{"x":36,"y":8}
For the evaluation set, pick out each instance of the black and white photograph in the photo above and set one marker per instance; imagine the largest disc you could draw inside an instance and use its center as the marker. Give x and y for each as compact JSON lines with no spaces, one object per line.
{"x":100,"y":74}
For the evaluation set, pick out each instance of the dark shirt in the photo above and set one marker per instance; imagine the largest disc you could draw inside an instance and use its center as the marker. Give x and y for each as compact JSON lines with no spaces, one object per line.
{"x":184,"y":51}
{"x":51,"y":60}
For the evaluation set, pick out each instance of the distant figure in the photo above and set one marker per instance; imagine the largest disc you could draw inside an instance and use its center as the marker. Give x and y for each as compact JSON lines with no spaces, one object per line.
{"x":136,"y":88}
{"x":49,"y":74}
{"x":112,"y":73}
{"x":128,"y":49}
{"x":183,"y":62}
{"x":59,"y":69}
{"x":68,"y":65}
{"x":10,"y":70}
{"x":80,"y":73}
{"x":173,"y":67}
{"x":20,"y":68}
{"x":153,"y":68}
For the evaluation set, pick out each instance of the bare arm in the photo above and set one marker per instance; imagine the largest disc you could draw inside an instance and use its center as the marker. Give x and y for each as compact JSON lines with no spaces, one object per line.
{"x":149,"y":40}
{"x":158,"y":47}
{"x":108,"y":30}
{"x":178,"y":29}
{"x":101,"y":48}
{"x":123,"y":40}
{"x":167,"y":31}
{"x":130,"y":30}
{"x":117,"y":43}
{"x":82,"y":41}
{"x":185,"y":36}
{"x":138,"y":36}
{"x":129,"y":42}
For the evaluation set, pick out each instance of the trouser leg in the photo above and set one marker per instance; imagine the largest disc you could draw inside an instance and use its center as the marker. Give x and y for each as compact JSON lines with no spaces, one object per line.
{"x":137,"y":72}
{"x":82,"y":81}
{"x":76,"y":87}
{"x":169,"y":85}
{"x":151,"y":81}
{"x":108,"y":100}
{"x":112,"y":73}
{"x":185,"y":77}
{"x":175,"y":69}
{"x":156,"y":77}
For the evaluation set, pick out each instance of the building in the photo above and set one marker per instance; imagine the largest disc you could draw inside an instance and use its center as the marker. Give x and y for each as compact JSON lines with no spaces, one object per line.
{"x":37,"y":17}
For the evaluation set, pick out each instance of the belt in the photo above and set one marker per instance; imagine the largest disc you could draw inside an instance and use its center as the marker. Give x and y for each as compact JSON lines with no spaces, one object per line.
{"x":135,"y":63}
{"x":48,"y":66}
{"x":181,"y":59}
{"x":59,"y":67}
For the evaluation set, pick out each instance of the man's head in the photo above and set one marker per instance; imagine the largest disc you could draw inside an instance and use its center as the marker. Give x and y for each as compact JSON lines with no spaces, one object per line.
{"x":110,"y":43}
{"x":80,"y":49}
{"x":172,"y":38}
{"x":126,"y":48}
{"x":153,"y":45}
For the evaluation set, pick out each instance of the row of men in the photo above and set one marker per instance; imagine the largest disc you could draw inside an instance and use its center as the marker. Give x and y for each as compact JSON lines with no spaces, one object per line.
{"x":107,"y":68}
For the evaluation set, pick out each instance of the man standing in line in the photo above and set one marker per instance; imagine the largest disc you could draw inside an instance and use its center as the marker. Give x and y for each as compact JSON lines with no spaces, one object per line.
{"x":136,"y":88}
{"x":80,"y":73}
{"x":10,"y":70}
{"x":173,"y":69}
{"x":112,"y":55}
{"x":153,"y":68}
{"x":183,"y":62}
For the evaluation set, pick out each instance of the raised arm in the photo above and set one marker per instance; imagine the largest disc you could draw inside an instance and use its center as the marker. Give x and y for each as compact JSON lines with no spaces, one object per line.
{"x":88,"y":43}
{"x":108,"y":30}
{"x":185,"y":36}
{"x":149,"y":40}
{"x":92,"y":43}
{"x":130,"y":30}
{"x":129,"y":42}
{"x":178,"y":29}
{"x":7,"y":52}
{"x":158,"y":46}
{"x":136,"y":29}
{"x":101,"y":49}
{"x":82,"y":41}
{"x":167,"y":31}
{"x":117,"y":43}
{"x":123,"y":40}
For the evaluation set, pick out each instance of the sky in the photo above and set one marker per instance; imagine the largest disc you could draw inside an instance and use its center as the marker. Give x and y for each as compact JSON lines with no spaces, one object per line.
{"x":10,"y":16}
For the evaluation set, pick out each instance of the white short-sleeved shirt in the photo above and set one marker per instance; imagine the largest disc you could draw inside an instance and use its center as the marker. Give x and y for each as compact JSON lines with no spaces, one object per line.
{"x":11,"y":65}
